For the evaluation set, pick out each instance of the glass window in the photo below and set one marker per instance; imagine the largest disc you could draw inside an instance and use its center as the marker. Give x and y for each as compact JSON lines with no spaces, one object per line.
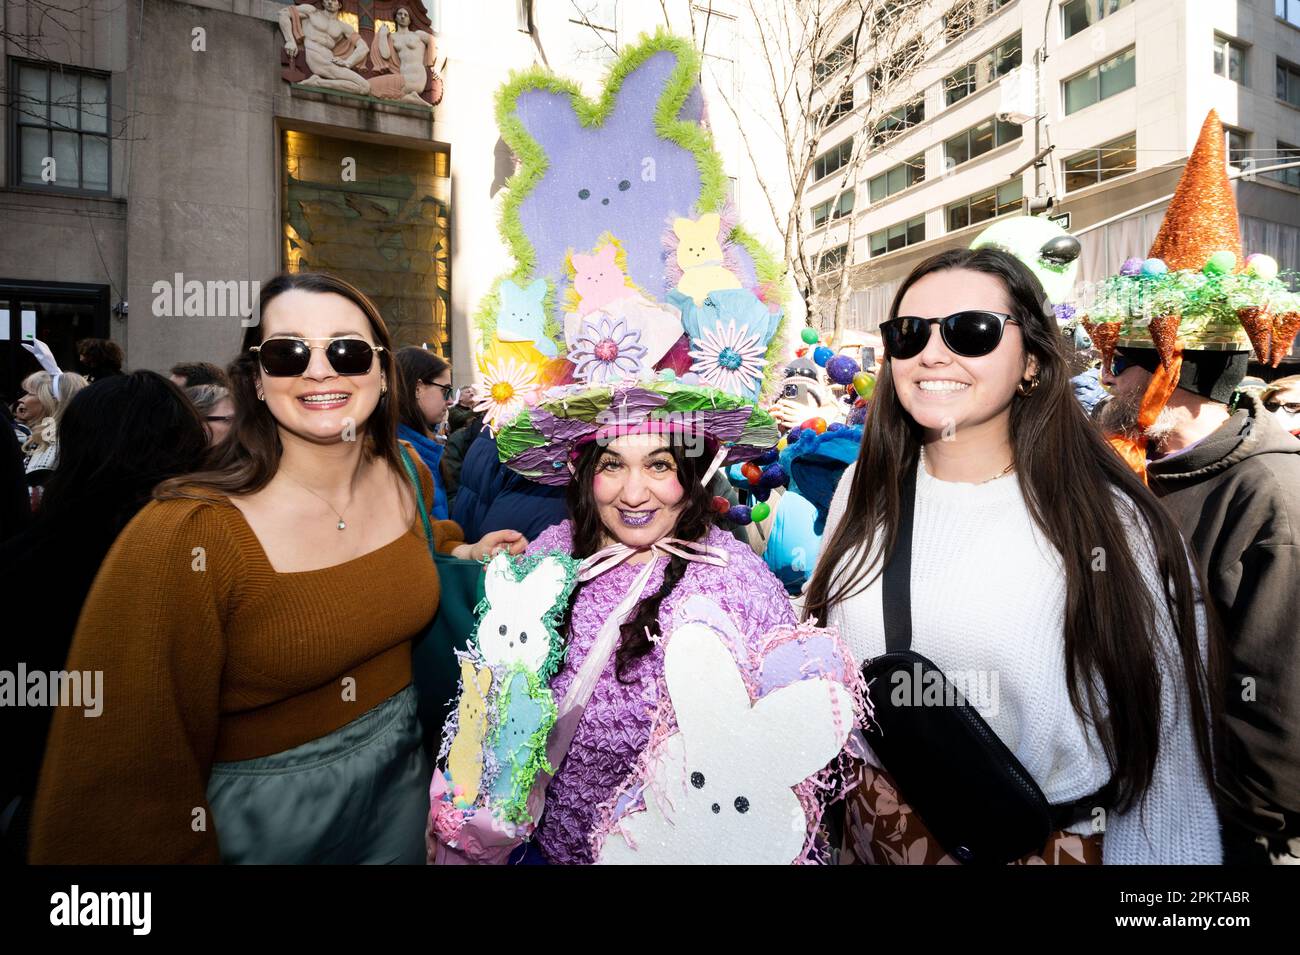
{"x":965,"y":14}
{"x":1078,"y":15}
{"x":982,"y":71}
{"x":832,"y":259}
{"x":985,"y":205}
{"x":61,"y":115}
{"x":897,"y":236}
{"x":1238,"y":143}
{"x":820,"y":213}
{"x":833,"y":159}
{"x":1116,"y":158}
{"x":832,"y":209}
{"x":898,"y":121}
{"x":978,"y":140}
{"x":842,"y":107}
{"x":1287,"y":153}
{"x":1101,"y":81}
{"x":1288,"y":10}
{"x":895,"y":180}
{"x":838,"y":56}
{"x":1230,"y":60}
{"x":1288,"y":82}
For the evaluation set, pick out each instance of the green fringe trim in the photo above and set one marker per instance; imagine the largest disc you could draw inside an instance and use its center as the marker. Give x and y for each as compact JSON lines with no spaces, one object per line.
{"x":533,"y":162}
{"x":524,"y":773}
{"x":521,"y":567}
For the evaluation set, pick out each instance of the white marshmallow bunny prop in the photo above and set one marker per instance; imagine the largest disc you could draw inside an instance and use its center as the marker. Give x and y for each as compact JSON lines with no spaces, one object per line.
{"x":516,"y":625}
{"x":721,"y":788}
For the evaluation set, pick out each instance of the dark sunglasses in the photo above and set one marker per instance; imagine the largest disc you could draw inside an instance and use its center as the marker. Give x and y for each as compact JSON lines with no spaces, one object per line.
{"x":1292,"y":407}
{"x":446,"y":389}
{"x":289,"y":357}
{"x":971,"y":333}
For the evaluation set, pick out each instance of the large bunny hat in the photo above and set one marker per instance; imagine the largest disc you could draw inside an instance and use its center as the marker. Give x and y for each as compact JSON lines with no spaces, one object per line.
{"x":606,"y":217}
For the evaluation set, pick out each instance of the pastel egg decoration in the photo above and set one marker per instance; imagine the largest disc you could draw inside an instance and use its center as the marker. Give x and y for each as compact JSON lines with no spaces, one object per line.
{"x":841,"y":369}
{"x":1131,"y":266}
{"x":760,"y":511}
{"x":1154,"y":268}
{"x":814,"y":424}
{"x":864,"y":383}
{"x":1261,"y":266}
{"x":773,"y":476}
{"x":809,"y":336}
{"x":739,"y":514}
{"x":822,"y":354}
{"x":721,"y":505}
{"x":751,"y":471}
{"x":1220,"y":263}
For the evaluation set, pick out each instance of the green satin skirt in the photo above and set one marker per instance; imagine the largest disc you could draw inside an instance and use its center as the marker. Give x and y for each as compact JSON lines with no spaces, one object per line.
{"x":359,"y":795}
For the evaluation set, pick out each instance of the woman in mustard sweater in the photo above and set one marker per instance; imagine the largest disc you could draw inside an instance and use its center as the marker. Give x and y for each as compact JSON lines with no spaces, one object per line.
{"x":253,"y":625}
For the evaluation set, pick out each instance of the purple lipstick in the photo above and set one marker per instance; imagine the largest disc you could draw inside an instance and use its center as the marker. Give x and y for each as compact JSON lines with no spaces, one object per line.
{"x":636,"y":518}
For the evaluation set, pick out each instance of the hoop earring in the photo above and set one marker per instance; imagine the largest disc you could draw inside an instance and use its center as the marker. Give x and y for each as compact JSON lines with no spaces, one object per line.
{"x":1026,"y":392}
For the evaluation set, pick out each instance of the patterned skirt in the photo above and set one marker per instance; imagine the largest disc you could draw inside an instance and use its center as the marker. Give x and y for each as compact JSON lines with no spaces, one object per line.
{"x":881,"y":829}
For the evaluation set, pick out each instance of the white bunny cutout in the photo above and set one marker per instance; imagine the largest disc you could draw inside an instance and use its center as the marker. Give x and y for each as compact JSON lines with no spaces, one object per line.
{"x":721,"y":788}
{"x":513,"y":629}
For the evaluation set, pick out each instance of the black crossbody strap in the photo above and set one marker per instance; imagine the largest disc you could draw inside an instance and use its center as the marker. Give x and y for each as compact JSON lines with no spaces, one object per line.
{"x":896,"y":579}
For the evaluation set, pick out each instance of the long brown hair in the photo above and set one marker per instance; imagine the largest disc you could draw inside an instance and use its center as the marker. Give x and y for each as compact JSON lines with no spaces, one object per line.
{"x":694,"y":521}
{"x":415,"y":366}
{"x":1111,"y":652}
{"x":246,"y":460}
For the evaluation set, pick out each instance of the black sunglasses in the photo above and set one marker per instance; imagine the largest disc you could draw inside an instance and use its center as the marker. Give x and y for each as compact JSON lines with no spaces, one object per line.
{"x":446,"y":389}
{"x":971,"y":334}
{"x":289,"y":357}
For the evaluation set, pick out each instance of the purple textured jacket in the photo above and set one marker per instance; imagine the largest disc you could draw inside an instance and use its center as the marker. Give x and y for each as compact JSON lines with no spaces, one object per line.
{"x":616,"y":725}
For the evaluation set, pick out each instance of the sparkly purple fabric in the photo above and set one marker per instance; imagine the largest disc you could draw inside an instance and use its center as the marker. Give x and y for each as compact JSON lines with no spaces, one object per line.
{"x":616,"y":725}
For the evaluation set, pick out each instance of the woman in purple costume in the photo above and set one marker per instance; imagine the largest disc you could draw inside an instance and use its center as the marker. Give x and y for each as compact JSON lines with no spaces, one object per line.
{"x":637,"y":495}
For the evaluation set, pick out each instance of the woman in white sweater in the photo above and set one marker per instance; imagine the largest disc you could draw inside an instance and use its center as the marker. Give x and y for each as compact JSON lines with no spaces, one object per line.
{"x":1037,"y":562}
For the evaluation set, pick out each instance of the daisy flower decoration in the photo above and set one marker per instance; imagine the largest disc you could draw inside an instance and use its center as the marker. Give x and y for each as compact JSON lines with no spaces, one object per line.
{"x":729,"y":358}
{"x":507,"y":385}
{"x":606,"y":350}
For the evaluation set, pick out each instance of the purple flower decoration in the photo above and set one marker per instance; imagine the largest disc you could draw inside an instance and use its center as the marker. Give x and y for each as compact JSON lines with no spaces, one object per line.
{"x":606,"y":350}
{"x":1064,"y":312}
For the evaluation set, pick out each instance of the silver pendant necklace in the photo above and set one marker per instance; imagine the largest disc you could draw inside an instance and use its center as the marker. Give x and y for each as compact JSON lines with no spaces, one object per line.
{"x":342,"y":524}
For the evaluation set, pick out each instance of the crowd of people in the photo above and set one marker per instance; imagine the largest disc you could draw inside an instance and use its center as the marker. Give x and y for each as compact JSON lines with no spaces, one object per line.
{"x":228,"y":557}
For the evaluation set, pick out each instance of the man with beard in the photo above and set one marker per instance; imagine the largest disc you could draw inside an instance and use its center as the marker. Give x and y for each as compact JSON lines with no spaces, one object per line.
{"x":1229,"y":474}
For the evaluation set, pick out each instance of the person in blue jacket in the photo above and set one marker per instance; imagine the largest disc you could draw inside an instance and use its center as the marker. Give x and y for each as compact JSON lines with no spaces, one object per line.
{"x":493,"y":496}
{"x":423,"y":390}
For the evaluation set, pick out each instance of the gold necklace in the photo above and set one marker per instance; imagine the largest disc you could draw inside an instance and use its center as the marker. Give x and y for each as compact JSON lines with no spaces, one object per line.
{"x":1001,"y":474}
{"x":342,"y":524}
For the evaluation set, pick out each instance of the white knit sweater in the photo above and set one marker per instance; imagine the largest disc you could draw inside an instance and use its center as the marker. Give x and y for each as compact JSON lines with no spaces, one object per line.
{"x":988,"y":598}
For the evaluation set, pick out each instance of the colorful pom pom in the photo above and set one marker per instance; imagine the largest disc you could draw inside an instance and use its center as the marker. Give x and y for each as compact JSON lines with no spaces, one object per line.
{"x":841,"y":369}
{"x":1154,"y":268}
{"x":760,"y":511}
{"x":767,"y":457}
{"x":822,"y":354}
{"x":864,"y":383}
{"x":1262,"y":266}
{"x":814,"y":424}
{"x":810,"y":336}
{"x":721,"y":505}
{"x":773,"y":476}
{"x":836,"y":426}
{"x":739,"y":514}
{"x":791,"y":438}
{"x":761,"y":493}
{"x":1131,"y":266}
{"x":1220,"y":263}
{"x":751,"y":471}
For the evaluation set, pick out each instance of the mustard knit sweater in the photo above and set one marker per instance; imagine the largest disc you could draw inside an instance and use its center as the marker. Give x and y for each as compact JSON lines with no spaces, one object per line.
{"x":212,"y":660}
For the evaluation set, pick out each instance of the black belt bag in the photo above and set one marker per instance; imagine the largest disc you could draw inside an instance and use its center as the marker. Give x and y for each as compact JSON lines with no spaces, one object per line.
{"x":968,"y":788}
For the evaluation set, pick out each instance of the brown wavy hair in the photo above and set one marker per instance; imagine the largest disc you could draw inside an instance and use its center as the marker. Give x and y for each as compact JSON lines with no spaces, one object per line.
{"x":246,"y":460}
{"x":1111,"y":652}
